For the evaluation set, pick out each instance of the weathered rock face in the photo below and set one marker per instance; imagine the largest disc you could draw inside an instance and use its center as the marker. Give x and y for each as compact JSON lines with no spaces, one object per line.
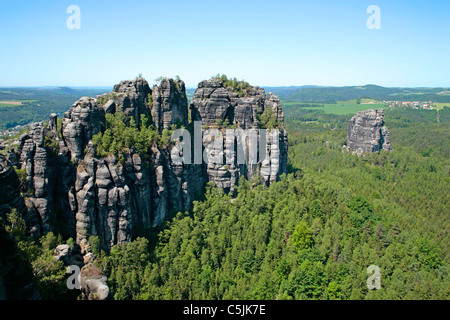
{"x":80,"y":124}
{"x":131,"y":96}
{"x":366,"y":132}
{"x":93,"y":283}
{"x":169,"y":104}
{"x":35,"y":160}
{"x":78,"y":193}
{"x":9,"y":188}
{"x":213,"y":104}
{"x":104,"y":203}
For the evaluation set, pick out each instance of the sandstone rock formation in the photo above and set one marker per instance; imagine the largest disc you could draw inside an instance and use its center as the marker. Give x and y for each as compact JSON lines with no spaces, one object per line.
{"x":169,"y":104}
{"x":366,"y":132}
{"x":70,"y":256}
{"x":9,"y":188}
{"x":93,"y":282}
{"x":214,"y":104}
{"x":72,"y":190}
{"x":80,"y":124}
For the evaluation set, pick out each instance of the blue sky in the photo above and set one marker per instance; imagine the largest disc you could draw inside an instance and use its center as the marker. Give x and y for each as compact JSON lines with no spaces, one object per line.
{"x":268,"y":43}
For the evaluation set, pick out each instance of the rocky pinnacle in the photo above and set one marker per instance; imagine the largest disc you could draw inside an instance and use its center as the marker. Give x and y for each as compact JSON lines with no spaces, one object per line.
{"x":69,"y":188}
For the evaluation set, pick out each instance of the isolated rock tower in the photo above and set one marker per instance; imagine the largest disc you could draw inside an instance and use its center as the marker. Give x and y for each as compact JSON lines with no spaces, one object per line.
{"x":366,"y":132}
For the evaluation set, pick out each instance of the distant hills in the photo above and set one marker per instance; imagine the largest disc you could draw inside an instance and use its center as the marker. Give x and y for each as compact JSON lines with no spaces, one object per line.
{"x":324,"y":94}
{"x":22,"y":105}
{"x":35,"y":93}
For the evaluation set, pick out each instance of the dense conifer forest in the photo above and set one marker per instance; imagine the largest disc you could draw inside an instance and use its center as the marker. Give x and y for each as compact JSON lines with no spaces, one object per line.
{"x":312,"y":235}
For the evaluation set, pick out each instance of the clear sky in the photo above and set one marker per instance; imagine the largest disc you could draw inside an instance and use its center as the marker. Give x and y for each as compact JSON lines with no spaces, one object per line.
{"x":268,"y":43}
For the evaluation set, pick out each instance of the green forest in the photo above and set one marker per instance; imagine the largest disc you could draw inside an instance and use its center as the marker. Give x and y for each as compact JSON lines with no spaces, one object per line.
{"x":330,"y":94}
{"x":311,"y":235}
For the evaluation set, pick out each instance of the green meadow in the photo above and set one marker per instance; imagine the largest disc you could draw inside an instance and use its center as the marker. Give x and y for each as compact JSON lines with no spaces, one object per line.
{"x":341,"y":107}
{"x":440,"y":105}
{"x":14,"y":103}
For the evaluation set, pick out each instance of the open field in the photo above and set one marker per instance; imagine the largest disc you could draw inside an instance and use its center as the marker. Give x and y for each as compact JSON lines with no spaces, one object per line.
{"x":440,"y":105}
{"x":10,"y":103}
{"x":367,"y":101}
{"x":13,"y":103}
{"x":349,"y":106}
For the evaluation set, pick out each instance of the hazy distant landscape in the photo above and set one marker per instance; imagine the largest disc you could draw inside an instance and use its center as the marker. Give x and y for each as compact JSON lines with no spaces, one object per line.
{"x":19,"y":106}
{"x":318,"y":93}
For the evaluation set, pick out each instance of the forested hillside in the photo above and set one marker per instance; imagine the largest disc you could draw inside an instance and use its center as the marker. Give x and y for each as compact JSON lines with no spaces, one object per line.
{"x":313,"y":234}
{"x":219,"y":158}
{"x":323,"y":93}
{"x":20,"y":106}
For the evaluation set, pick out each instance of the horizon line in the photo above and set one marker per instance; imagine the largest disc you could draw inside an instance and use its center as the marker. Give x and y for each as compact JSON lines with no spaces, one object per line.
{"x":195,"y":87}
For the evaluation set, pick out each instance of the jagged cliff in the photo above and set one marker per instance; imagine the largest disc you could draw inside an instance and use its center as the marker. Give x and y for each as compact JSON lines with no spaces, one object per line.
{"x":69,"y":188}
{"x":213,"y":103}
{"x":367,"y":132}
